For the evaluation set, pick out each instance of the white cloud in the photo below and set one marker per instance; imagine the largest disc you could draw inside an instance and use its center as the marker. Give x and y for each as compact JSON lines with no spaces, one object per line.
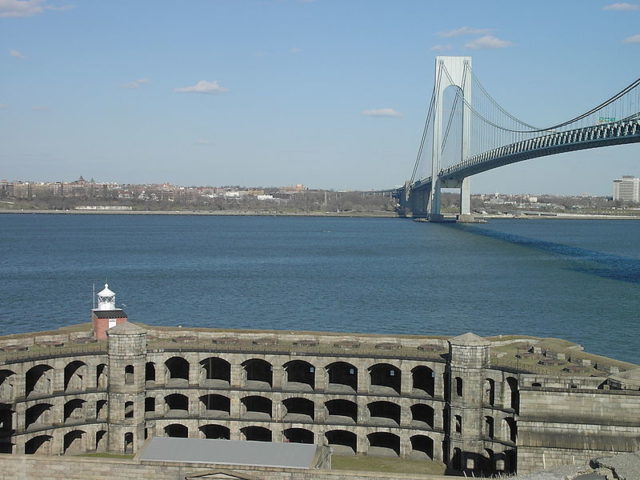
{"x":441,"y":48}
{"x":203,"y":87}
{"x":632,"y":39}
{"x":136,"y":83}
{"x":16,"y":54}
{"x":622,"y":7}
{"x":382,"y":112}
{"x":465,"y":31}
{"x":487,"y":41}
{"x":26,"y":8}
{"x":40,"y":108}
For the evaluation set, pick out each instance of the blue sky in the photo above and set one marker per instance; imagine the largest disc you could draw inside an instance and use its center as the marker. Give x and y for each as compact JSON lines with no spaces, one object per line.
{"x":329,"y":93}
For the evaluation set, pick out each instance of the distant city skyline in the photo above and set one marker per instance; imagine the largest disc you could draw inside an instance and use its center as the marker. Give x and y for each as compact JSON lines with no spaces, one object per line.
{"x":328,"y":93}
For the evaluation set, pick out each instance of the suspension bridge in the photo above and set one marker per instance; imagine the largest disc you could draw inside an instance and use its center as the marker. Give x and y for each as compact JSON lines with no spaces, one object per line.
{"x":480,"y":135}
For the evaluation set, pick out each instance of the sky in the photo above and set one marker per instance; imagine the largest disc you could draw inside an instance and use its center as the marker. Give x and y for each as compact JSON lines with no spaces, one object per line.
{"x":331,"y":94}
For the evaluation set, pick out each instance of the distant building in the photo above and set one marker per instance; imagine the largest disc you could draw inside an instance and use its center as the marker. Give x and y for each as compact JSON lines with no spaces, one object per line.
{"x":627,"y":189}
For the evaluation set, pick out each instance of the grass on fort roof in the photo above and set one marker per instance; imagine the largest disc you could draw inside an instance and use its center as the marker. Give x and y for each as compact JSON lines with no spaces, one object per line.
{"x":386,"y":464}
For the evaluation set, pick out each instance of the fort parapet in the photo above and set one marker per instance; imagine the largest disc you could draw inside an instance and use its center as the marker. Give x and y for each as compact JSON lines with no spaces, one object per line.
{"x":483,"y":405}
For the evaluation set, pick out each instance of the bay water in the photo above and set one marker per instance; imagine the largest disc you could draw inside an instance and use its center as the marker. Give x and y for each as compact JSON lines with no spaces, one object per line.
{"x":573,"y":279}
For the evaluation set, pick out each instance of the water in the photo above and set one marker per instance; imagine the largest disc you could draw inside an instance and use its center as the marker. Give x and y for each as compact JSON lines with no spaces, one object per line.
{"x":578,"y":280}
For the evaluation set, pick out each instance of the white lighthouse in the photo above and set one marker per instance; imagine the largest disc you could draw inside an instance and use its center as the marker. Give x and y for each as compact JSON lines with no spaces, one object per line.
{"x":106,"y":315}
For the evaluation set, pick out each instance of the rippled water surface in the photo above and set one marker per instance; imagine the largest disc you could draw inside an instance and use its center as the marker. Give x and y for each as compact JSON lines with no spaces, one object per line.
{"x":578,"y":280}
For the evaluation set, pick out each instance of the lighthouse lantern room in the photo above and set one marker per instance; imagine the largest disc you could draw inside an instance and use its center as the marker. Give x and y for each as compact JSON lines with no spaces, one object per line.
{"x":106,"y":315}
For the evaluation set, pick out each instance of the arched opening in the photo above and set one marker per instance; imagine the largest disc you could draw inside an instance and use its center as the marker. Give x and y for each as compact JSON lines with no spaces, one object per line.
{"x":458,"y":423}
{"x":128,"y":409}
{"x":343,"y":377}
{"x":216,"y":371}
{"x":39,"y":380}
{"x":342,"y":442}
{"x":384,"y":444}
{"x":128,"y":442}
{"x":300,"y":375}
{"x":486,"y":462}
{"x":177,"y":404}
{"x":456,"y":460}
{"x":514,"y":394}
{"x":129,"y":375}
{"x":298,"y":435}
{"x":101,"y":410}
{"x":150,"y":404}
{"x":74,"y":442}
{"x":511,"y":429}
{"x":488,"y":427}
{"x":385,"y":378}
{"x":150,"y":372}
{"x":259,"y":373}
{"x":101,"y":377}
{"x":384,"y":413}
{"x":177,"y":370}
{"x":74,"y":410}
{"x":38,"y":415}
{"x":458,"y":386}
{"x":257,"y":408}
{"x":298,"y":410}
{"x":6,"y":416}
{"x":424,"y":380}
{"x":342,"y":411}
{"x":101,"y":441}
{"x":6,"y":385}
{"x":216,"y":432}
{"x":216,"y":405}
{"x":40,"y":445}
{"x":176,"y":430}
{"x":74,"y":375}
{"x":489,"y":392}
{"x":422,"y":415}
{"x":256,"y":434}
{"x":421,"y":447}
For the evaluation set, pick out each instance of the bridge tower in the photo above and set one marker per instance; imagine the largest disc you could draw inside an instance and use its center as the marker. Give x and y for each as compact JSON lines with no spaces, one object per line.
{"x":450,"y":71}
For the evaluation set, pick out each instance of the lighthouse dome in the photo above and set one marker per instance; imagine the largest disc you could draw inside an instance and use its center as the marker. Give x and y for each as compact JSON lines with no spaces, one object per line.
{"x":106,"y":299}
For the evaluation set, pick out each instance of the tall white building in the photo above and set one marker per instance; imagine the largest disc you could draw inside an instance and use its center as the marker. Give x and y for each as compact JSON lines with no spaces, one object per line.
{"x":627,"y":189}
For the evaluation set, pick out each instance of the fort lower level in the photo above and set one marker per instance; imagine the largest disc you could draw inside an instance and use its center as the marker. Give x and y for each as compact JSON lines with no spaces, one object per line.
{"x":482,"y":405}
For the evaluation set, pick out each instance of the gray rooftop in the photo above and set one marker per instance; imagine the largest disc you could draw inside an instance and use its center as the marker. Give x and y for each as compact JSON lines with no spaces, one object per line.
{"x":228,"y":452}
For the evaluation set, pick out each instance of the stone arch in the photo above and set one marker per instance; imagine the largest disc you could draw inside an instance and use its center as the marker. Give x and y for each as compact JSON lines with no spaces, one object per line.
{"x":299,"y":408}
{"x":387,"y":413}
{"x":489,"y":393}
{"x":488,"y":427}
{"x":424,"y":379}
{"x":300,"y":373}
{"x":458,"y":386}
{"x":129,"y":375}
{"x":74,"y":410}
{"x":257,"y":434}
{"x":40,"y":445}
{"x":258,"y":371}
{"x":422,"y":446}
{"x":383,"y":443}
{"x":101,"y":410}
{"x":75,"y":374}
{"x":128,"y":442}
{"x":257,"y":406}
{"x":7,"y":378}
{"x":215,"y":431}
{"x":177,"y":402}
{"x":128,"y":409}
{"x":150,"y":372}
{"x":74,"y":442}
{"x":345,"y":410}
{"x":216,"y":405}
{"x":422,"y":415}
{"x":102,"y":377}
{"x":342,"y":441}
{"x":176,"y":430}
{"x":215,"y":369}
{"x":298,"y":435}
{"x":39,"y":414}
{"x":176,"y":368}
{"x":342,"y":376}
{"x":150,"y":404}
{"x":39,"y":380}
{"x":101,"y":441}
{"x":386,"y":376}
{"x":514,"y":394}
{"x":511,"y":429}
{"x":6,"y":419}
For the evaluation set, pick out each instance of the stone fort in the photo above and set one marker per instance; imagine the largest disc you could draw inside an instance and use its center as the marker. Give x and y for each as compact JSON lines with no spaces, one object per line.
{"x":478,"y":405}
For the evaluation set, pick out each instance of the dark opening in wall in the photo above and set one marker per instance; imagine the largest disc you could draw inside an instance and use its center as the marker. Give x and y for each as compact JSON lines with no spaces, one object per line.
{"x":73,"y":410}
{"x":258,"y":370}
{"x":424,"y":379}
{"x":177,"y":368}
{"x":6,"y":419}
{"x":128,"y":375}
{"x":128,"y":442}
{"x":422,"y":444}
{"x":215,"y":431}
{"x":298,"y":371}
{"x":6,"y":385}
{"x":423,"y":414}
{"x":177,"y":401}
{"x":38,"y":445}
{"x":74,"y":374}
{"x":343,"y":374}
{"x":298,"y":435}
{"x":489,"y":392}
{"x":386,"y":410}
{"x":343,"y":408}
{"x":101,"y":440}
{"x":458,"y":423}
{"x":488,"y":426}
{"x":458,"y":386}
{"x":257,"y":434}
{"x":176,"y":430}
{"x":385,"y":375}
{"x":342,"y":438}
{"x":216,"y":403}
{"x":385,"y":440}
{"x":514,"y":393}
{"x":150,"y":372}
{"x":101,"y":376}
{"x":128,"y":409}
{"x":39,"y":380}
{"x":150,"y":404}
{"x":216,"y":369}
{"x":101,"y":410}
{"x":258,"y":404}
{"x":74,"y":442}
{"x":38,"y":414}
{"x":511,"y":429}
{"x":299,"y":406}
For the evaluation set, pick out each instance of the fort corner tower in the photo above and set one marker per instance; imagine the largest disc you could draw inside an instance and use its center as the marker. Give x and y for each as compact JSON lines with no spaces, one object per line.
{"x":106,"y":315}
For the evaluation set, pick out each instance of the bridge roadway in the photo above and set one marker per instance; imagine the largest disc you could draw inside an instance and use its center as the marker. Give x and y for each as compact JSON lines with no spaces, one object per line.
{"x":602,"y":135}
